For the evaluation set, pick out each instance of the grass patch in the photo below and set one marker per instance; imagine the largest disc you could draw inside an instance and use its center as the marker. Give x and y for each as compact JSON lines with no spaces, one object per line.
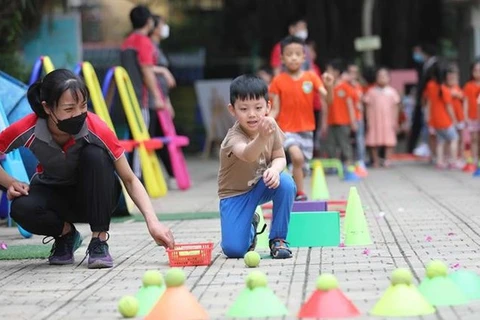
{"x":21,"y":252}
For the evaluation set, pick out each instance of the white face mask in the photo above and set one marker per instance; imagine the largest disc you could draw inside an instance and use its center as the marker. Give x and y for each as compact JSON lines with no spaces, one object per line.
{"x":165,"y":31}
{"x":302,"y":34}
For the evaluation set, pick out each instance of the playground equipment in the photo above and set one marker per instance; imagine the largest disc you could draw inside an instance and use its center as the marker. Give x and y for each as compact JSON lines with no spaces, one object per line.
{"x":151,"y":170}
{"x":12,"y":163}
{"x":100,"y":108}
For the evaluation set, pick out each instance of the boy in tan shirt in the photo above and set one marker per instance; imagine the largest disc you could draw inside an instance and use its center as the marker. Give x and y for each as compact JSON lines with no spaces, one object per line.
{"x":252,"y":161}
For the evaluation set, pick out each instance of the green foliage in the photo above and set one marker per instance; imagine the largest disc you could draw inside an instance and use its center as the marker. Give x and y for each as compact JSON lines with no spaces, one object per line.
{"x":17,"y":17}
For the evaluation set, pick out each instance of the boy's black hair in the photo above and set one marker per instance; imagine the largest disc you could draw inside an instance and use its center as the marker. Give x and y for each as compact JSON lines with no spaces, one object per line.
{"x":337,"y":64}
{"x":289,"y":40}
{"x":139,"y":16}
{"x":248,"y":87}
{"x":294,"y":21}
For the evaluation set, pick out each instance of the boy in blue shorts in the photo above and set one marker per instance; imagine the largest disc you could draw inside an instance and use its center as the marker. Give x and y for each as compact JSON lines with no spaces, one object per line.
{"x":252,"y":160}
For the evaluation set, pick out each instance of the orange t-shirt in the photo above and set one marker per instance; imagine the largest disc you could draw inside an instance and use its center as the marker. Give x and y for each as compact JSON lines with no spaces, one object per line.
{"x":471,"y":89}
{"x":439,"y":117}
{"x":296,"y":100}
{"x":357,"y":91}
{"x":338,"y":110}
{"x":457,"y":102}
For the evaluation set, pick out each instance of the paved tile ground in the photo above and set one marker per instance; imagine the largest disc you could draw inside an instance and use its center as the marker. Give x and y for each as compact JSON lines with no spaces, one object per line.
{"x":419,"y":203}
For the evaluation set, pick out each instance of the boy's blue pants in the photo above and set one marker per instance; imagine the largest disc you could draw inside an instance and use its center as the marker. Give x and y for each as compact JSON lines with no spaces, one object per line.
{"x":236,"y":214}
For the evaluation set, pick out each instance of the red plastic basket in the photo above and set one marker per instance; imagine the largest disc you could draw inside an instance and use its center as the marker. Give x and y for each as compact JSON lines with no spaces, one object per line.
{"x":190,"y":254}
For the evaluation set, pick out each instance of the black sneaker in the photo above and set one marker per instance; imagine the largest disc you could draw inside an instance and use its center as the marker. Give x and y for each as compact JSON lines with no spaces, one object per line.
{"x":98,"y":255}
{"x":301,"y":197}
{"x":255,"y":222}
{"x":64,"y":248}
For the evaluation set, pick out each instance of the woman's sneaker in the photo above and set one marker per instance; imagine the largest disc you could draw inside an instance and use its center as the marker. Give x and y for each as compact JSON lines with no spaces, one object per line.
{"x":98,"y":255}
{"x":279,"y":249}
{"x":64,"y":247}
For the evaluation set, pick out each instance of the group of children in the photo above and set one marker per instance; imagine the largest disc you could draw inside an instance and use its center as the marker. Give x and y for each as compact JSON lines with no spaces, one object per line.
{"x":276,"y":121}
{"x":451,"y":115}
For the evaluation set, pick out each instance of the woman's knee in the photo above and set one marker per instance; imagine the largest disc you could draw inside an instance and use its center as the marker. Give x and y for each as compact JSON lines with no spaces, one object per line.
{"x":21,"y":208}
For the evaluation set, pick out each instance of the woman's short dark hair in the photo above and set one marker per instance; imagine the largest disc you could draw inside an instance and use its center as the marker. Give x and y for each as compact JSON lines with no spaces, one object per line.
{"x":51,"y":88}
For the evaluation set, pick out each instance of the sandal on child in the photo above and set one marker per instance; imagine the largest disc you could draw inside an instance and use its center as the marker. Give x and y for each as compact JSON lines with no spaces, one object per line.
{"x":279,"y":249}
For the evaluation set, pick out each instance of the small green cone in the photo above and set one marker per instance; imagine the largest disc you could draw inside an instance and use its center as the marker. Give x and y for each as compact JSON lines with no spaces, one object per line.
{"x":256,"y":303}
{"x":402,"y":299}
{"x":262,"y":239}
{"x":355,"y":222}
{"x":438,"y":288}
{"x":319,"y":183}
{"x":442,"y":291}
{"x":468,"y":281}
{"x":147,"y":297}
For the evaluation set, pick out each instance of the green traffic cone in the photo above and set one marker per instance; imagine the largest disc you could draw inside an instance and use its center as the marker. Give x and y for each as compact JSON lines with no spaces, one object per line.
{"x":257,"y":300}
{"x":153,"y":287}
{"x":468,"y":281}
{"x":438,"y":288}
{"x":402,"y":298}
{"x":355,"y":222}
{"x":319,"y":183}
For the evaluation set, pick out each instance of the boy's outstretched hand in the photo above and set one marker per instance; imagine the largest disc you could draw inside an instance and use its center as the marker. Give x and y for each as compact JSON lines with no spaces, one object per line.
{"x":266,"y":126}
{"x":271,"y":177}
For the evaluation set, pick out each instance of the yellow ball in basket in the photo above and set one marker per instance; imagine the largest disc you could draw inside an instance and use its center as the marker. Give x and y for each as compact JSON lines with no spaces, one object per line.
{"x":128,"y":306}
{"x":252,"y":259}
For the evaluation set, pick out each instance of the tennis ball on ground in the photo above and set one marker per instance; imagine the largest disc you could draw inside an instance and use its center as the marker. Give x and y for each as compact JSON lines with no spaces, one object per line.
{"x":152,"y":278}
{"x":401,"y":276}
{"x":436,"y":268}
{"x":128,"y":306}
{"x":175,"y":277}
{"x":252,"y":259}
{"x":326,"y":282}
{"x":256,"y":279}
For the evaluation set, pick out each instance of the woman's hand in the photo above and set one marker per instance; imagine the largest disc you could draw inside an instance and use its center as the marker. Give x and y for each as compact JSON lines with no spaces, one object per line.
{"x":17,"y":189}
{"x":162,"y":235}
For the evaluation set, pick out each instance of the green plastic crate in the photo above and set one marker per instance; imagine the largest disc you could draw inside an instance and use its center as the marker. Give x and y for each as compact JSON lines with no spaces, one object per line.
{"x":314,"y":229}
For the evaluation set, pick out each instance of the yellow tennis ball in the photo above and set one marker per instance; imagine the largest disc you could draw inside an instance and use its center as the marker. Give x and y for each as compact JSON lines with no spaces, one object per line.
{"x":326,"y":282}
{"x":256,"y":279}
{"x":252,"y":259}
{"x":401,"y":276}
{"x":175,"y":277}
{"x":128,"y":306}
{"x":436,"y":268}
{"x":152,"y":278}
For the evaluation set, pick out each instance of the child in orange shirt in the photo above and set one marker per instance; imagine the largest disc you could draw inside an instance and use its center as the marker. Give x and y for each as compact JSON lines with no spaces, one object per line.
{"x":293,"y":100}
{"x":471,"y":90}
{"x":440,"y":116}
{"x":339,"y":118}
{"x":457,"y":103}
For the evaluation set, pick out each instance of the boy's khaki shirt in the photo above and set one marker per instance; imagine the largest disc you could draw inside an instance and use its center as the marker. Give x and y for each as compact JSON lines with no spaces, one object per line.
{"x":236,"y":176}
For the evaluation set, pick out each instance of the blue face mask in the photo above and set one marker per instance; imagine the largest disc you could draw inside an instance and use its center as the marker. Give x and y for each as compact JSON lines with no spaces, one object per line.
{"x":418,"y":57}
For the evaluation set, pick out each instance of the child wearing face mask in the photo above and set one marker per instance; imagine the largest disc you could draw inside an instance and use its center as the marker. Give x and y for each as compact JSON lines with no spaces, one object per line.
{"x":297,"y":28}
{"x":80,"y":161}
{"x":293,"y":107}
